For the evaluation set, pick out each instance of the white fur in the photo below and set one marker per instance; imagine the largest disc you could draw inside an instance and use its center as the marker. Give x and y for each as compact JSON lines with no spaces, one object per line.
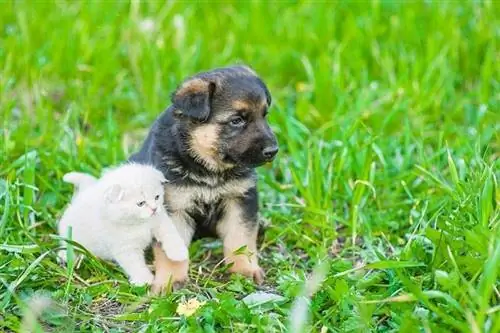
{"x":106,"y":219}
{"x":80,"y":180}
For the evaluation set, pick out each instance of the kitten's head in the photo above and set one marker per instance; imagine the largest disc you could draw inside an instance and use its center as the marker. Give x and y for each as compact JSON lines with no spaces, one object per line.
{"x":134,"y":191}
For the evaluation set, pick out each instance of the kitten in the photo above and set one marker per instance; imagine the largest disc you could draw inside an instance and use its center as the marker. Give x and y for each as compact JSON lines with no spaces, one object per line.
{"x":117,"y":216}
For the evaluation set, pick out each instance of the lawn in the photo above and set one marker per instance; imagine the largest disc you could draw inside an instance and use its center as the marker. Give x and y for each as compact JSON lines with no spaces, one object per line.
{"x":386,"y":184}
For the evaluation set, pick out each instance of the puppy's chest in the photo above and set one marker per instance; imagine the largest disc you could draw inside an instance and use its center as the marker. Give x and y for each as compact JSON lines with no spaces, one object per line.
{"x":185,"y":197}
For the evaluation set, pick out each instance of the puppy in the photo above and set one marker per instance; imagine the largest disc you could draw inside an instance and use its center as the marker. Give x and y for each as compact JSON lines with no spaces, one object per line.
{"x":208,"y":144}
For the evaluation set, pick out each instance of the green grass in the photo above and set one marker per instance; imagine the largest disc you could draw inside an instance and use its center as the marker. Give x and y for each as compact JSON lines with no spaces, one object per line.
{"x":388,"y":119}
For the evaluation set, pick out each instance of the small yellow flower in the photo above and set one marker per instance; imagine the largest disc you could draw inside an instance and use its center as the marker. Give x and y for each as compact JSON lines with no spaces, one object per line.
{"x":79,"y":140}
{"x":302,"y":87}
{"x":189,"y":308}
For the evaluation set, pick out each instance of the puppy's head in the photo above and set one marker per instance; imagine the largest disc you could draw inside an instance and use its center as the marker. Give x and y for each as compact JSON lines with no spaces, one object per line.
{"x":223,"y":113}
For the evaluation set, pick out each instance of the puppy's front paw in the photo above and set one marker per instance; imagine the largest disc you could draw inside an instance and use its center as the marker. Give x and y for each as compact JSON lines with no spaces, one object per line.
{"x":141,"y":279}
{"x":159,"y":286}
{"x":259,"y":275}
{"x":168,"y":273}
{"x":249,"y":269}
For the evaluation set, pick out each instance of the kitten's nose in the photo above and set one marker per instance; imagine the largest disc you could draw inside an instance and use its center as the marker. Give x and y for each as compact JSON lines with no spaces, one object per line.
{"x":153,"y":210}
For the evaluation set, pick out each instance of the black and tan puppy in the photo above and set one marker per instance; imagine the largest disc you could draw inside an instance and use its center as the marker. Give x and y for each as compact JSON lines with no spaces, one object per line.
{"x":208,"y":144}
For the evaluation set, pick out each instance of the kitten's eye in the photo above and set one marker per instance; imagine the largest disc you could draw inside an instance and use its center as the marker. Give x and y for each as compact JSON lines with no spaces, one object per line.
{"x":157,"y":197}
{"x":237,"y":122}
{"x":141,"y":203}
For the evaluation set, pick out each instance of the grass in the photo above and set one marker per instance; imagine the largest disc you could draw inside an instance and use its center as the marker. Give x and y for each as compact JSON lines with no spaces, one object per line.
{"x":387,"y":178}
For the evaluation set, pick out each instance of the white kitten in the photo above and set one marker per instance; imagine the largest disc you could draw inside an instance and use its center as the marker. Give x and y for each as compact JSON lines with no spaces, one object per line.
{"x":117,"y":216}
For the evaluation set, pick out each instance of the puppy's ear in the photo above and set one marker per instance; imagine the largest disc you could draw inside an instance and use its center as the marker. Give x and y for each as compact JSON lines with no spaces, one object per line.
{"x":269,"y":99}
{"x":193,"y":98}
{"x":114,"y":193}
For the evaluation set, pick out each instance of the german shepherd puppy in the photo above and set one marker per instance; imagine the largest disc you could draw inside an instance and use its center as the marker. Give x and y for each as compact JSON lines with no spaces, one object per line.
{"x":208,"y":144}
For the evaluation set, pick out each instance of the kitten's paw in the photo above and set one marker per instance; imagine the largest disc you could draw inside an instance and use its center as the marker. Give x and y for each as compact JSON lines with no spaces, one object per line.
{"x":61,"y":257}
{"x":176,"y":252}
{"x":142,"y":279}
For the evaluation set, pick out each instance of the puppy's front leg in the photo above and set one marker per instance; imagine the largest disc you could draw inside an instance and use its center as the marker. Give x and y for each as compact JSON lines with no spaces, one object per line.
{"x":237,"y":228}
{"x":133,"y":263}
{"x":167,"y":270}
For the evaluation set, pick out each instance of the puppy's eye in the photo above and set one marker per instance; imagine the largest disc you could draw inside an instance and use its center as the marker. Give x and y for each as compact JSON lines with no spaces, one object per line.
{"x":141,"y":203}
{"x":237,"y":121}
{"x":157,"y":197}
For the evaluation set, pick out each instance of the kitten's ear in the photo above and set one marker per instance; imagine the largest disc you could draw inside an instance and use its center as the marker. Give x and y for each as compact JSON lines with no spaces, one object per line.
{"x":114,"y":193}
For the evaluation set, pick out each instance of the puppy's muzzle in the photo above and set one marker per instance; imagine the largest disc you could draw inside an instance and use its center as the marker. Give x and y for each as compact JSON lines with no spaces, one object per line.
{"x":269,"y":152}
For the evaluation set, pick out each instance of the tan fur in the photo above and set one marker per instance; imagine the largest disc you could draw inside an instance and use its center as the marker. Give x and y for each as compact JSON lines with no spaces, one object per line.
{"x":181,"y":198}
{"x":263,"y":104}
{"x":235,"y":234}
{"x":249,"y":105}
{"x":167,"y":271}
{"x":192,"y":86}
{"x":224,"y":116}
{"x":204,"y":141}
{"x":241,"y":105}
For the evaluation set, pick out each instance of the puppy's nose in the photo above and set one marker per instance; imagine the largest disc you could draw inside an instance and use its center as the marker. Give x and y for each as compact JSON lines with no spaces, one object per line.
{"x":270,"y":152}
